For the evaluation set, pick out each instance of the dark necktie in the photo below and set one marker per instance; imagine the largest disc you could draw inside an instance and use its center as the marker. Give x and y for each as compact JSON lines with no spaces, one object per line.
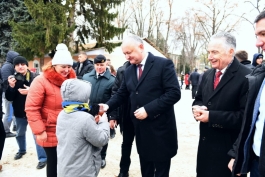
{"x":217,"y":79}
{"x":80,"y":67}
{"x":140,"y":71}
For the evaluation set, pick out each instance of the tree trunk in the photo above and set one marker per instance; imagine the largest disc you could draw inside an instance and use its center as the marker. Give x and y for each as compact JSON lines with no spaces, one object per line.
{"x":41,"y":62}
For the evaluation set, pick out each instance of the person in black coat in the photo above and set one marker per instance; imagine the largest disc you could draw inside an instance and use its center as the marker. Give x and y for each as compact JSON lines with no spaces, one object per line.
{"x":242,"y":57}
{"x":152,"y":87}
{"x":194,"y":81}
{"x":7,"y":70}
{"x":219,"y":106}
{"x":16,"y":92}
{"x":126,"y":125}
{"x":84,"y":65}
{"x":249,"y":150}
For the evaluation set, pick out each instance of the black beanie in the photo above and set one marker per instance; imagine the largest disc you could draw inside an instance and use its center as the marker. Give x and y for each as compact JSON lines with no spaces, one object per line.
{"x":20,"y":59}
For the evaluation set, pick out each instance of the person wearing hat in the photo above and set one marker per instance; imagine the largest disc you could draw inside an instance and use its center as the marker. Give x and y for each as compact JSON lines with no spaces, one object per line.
{"x":257,"y":59}
{"x":16,"y":92}
{"x":102,"y":81}
{"x":44,"y":102}
{"x":7,"y":70}
{"x":78,"y":152}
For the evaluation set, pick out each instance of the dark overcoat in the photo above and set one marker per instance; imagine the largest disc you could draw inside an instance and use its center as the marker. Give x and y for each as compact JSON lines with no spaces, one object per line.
{"x":157,"y":91}
{"x":226,"y":105}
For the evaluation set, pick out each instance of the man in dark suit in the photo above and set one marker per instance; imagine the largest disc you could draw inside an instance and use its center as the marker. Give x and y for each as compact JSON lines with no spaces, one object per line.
{"x":84,"y":65}
{"x":250,"y":145}
{"x":219,"y":106}
{"x":152,"y":86}
{"x":194,"y":80}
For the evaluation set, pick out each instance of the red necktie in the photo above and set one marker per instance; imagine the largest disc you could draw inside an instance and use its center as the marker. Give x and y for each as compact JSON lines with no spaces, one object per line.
{"x":140,"y":71}
{"x":217,"y":79}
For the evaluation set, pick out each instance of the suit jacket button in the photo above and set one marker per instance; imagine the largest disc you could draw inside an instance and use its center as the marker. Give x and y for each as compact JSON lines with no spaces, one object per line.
{"x":203,"y":138}
{"x":136,"y":92}
{"x":209,"y":103}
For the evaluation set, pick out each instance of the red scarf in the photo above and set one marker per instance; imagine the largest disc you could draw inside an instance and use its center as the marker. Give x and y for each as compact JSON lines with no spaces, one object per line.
{"x":56,"y":78}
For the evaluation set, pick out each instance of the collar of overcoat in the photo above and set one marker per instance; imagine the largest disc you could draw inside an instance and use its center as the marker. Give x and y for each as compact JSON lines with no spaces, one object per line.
{"x":228,"y":75}
{"x":148,"y":65}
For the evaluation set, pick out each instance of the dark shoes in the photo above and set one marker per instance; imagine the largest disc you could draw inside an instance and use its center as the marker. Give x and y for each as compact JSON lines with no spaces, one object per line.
{"x":103,"y":163}
{"x":9,"y":135}
{"x":19,"y":155}
{"x":41,"y":165}
{"x":14,"y":128}
{"x":123,"y":175}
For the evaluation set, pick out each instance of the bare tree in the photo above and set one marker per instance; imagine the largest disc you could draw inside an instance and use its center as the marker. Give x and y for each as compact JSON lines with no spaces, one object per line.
{"x":257,"y":7}
{"x":138,"y":17}
{"x":124,"y":14}
{"x":216,"y":15}
{"x":170,"y":4}
{"x":189,"y":34}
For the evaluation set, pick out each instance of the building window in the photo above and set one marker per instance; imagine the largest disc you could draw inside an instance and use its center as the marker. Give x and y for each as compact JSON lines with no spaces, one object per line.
{"x":36,"y":65}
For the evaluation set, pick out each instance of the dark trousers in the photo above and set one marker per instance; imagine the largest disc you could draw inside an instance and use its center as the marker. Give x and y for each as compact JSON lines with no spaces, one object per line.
{"x":51,"y":168}
{"x":193,"y":91}
{"x":126,"y":147}
{"x":104,"y":152}
{"x":155,"y":169}
{"x":254,"y":169}
{"x":2,"y":138}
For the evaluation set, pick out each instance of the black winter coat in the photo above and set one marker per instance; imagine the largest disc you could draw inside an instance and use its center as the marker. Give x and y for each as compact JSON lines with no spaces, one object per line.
{"x":12,"y":94}
{"x":157,"y":91}
{"x":194,"y":78}
{"x":248,"y":64}
{"x":6,"y":70}
{"x":87,"y":67}
{"x":244,"y":154}
{"x":226,"y":106}
{"x":123,"y":110}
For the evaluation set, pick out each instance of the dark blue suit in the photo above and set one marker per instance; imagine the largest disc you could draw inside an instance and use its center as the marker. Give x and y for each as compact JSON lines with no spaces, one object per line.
{"x":157,"y":91}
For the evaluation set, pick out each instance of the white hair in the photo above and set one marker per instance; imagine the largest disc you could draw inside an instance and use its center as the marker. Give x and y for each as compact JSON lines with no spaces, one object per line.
{"x":132,"y":39}
{"x":230,"y":40}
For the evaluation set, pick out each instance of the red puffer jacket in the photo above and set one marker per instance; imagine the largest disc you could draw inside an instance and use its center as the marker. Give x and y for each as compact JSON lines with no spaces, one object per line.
{"x":44,"y":103}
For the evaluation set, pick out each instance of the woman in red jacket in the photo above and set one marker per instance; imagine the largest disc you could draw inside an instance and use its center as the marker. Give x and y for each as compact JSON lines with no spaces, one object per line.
{"x":187,"y":82}
{"x":44,"y":103}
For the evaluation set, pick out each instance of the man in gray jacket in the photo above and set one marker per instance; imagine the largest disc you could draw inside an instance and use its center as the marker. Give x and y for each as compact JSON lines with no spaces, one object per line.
{"x":80,"y":135}
{"x":102,"y":81}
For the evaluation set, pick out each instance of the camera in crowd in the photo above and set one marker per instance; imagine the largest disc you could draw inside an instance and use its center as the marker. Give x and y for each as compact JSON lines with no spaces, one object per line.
{"x":18,"y":76}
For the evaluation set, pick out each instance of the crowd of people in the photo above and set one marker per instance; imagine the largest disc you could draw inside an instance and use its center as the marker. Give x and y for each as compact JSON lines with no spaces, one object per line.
{"x":73,"y":109}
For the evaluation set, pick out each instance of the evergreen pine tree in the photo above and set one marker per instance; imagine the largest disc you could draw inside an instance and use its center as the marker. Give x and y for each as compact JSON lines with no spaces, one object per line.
{"x":99,"y":16}
{"x":47,"y":28}
{"x":10,"y":10}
